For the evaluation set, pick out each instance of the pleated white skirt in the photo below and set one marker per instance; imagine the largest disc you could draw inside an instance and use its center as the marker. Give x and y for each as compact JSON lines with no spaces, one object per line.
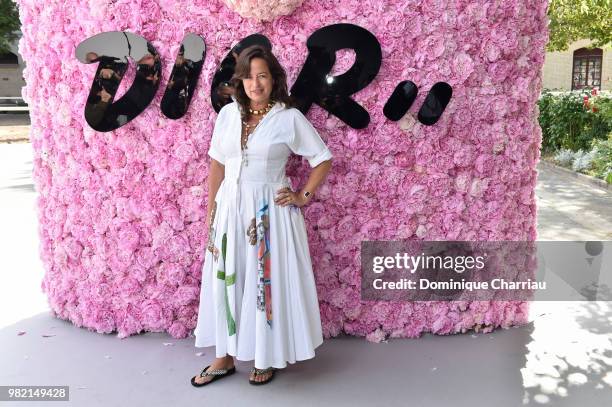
{"x":293,"y":330}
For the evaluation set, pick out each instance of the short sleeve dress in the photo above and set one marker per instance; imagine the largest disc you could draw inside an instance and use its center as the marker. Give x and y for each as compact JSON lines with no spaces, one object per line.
{"x":258,"y":298}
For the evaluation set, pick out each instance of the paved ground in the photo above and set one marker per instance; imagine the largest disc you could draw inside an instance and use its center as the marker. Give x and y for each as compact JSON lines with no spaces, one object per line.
{"x":572,"y":209}
{"x":563,"y":357}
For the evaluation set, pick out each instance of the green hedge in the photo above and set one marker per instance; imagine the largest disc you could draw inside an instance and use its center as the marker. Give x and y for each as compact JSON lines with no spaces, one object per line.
{"x":573,"y":120}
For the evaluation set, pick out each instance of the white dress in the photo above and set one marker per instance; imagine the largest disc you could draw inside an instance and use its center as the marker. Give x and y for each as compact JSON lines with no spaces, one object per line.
{"x":258,"y":298}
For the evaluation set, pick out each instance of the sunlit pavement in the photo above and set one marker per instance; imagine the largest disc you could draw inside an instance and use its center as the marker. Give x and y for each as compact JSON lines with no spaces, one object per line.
{"x":563,"y":357}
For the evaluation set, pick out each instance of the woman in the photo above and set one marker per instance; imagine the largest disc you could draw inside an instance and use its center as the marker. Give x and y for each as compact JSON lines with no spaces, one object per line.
{"x":258,"y":299}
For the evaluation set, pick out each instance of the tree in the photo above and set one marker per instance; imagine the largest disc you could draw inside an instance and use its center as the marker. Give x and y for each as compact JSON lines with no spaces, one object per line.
{"x":9,"y":24}
{"x":572,"y":20}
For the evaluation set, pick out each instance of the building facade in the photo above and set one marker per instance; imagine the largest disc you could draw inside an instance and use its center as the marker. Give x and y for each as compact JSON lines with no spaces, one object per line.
{"x":578,"y":67}
{"x":11,"y":72}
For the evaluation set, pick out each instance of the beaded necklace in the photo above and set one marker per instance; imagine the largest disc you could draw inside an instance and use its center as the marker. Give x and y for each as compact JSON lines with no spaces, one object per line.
{"x":248,"y":129}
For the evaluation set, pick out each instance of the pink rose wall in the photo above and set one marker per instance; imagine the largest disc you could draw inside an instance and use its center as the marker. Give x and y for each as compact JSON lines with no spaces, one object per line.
{"x":122,"y":214}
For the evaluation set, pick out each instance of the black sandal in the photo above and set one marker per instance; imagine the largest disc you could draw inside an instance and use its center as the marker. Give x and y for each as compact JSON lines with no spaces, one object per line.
{"x":262,"y":371}
{"x":217,"y":373}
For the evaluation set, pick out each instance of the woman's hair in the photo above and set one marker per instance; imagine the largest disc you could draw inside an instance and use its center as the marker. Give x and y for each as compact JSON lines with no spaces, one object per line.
{"x":243,"y":70}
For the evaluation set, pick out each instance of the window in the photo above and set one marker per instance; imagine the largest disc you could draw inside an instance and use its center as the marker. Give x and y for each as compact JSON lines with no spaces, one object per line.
{"x":8,"y":59}
{"x":586,"y":70}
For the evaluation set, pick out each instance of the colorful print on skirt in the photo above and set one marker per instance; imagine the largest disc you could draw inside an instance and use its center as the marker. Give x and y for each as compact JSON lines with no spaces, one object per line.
{"x":259,"y":234}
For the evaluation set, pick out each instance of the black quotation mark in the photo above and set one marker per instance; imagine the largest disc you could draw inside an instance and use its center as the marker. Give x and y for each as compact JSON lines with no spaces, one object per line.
{"x":406,"y":92}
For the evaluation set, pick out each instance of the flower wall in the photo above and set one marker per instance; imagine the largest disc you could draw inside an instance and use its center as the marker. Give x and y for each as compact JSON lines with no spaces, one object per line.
{"x":122,"y":214}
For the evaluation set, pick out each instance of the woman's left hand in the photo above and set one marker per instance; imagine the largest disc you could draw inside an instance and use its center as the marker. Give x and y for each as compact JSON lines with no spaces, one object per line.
{"x":285,"y":196}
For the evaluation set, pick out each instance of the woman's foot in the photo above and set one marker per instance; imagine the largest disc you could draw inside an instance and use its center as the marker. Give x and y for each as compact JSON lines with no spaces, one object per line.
{"x":219,"y":363}
{"x":260,"y":376}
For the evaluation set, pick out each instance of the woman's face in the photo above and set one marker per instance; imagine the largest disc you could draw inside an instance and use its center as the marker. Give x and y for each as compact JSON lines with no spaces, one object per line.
{"x":258,"y":86}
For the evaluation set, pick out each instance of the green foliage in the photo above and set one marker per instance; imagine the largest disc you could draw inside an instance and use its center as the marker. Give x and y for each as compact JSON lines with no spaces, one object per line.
{"x":583,"y":161}
{"x":596,"y":162}
{"x":601,"y":166}
{"x":573,"y":120}
{"x":572,"y":20}
{"x":564,"y":157}
{"x":9,"y":24}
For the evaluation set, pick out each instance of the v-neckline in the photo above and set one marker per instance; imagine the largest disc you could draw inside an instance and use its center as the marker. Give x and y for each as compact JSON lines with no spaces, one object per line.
{"x":274,"y":109}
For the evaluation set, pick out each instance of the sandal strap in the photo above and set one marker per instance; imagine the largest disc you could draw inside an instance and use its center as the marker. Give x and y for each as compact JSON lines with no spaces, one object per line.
{"x":213,"y":372}
{"x":261,"y":371}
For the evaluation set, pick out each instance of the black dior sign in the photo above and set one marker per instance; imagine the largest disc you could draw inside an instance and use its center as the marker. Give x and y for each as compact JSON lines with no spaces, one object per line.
{"x":113,"y":50}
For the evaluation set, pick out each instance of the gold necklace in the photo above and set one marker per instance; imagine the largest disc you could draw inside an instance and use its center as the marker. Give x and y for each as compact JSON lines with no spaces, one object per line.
{"x":250,"y":128}
{"x":262,"y":111}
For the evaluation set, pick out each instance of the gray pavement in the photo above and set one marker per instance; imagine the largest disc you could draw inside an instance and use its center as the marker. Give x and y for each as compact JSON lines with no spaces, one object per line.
{"x":570,"y":208}
{"x":563,"y":357}
{"x":13,"y":119}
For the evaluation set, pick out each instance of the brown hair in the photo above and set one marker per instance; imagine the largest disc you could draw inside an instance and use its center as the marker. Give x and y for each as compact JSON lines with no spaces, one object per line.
{"x":243,"y":70}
